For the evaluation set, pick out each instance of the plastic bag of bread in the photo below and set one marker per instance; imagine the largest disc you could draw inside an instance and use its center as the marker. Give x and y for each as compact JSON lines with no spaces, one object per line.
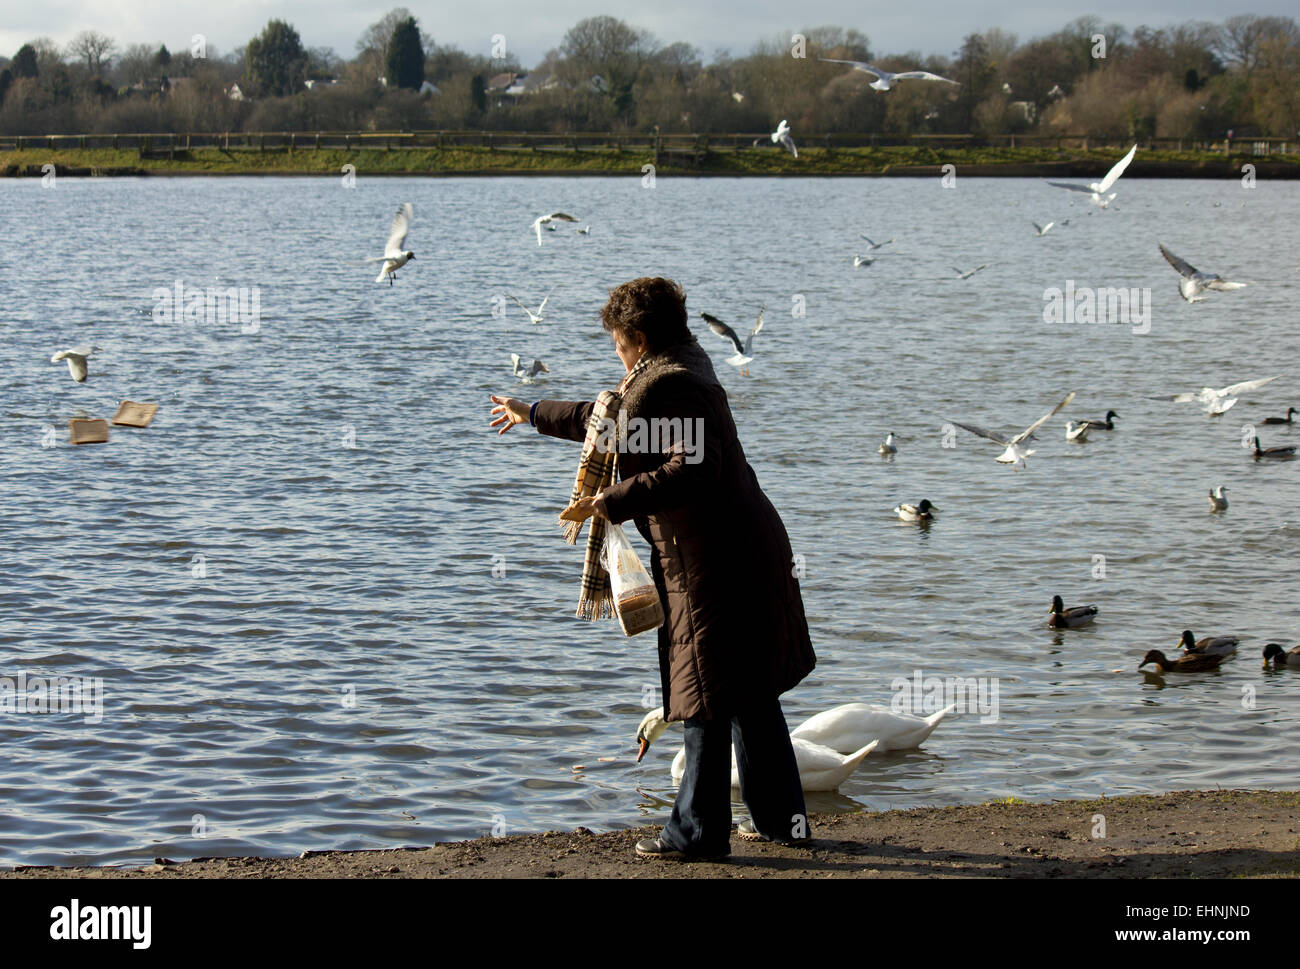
{"x":636,"y":600}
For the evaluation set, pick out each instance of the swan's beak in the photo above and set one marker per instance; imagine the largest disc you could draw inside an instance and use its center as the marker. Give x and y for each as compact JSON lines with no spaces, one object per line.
{"x":645,"y":745}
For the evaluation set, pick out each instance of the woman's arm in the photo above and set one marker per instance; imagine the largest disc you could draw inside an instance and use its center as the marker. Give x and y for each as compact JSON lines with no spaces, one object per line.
{"x":694,"y":451}
{"x":562,"y":418}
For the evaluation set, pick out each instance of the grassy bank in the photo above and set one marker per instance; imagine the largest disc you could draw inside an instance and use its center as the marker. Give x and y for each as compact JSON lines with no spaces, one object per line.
{"x":1196,"y":834}
{"x":762,"y":161}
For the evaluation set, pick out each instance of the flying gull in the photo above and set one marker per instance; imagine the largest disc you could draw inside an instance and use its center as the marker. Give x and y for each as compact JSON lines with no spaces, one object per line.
{"x":884,"y":79}
{"x":76,"y":358}
{"x":743,"y":356}
{"x":546,"y":220}
{"x":1015,"y":453}
{"x":1193,"y":283}
{"x":395,"y":257}
{"x":1098,"y":190}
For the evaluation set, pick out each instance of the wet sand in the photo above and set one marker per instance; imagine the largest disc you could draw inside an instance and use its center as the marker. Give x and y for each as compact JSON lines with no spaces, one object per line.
{"x":1186,"y":834}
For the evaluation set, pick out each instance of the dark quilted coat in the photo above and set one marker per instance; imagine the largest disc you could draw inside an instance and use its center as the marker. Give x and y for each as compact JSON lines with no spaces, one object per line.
{"x":720,"y":555}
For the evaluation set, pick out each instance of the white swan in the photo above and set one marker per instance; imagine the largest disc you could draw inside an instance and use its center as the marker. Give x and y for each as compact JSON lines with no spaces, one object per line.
{"x":845,"y":727}
{"x":820,"y":767}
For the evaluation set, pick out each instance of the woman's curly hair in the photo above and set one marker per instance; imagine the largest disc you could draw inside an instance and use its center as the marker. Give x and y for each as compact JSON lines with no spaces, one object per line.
{"x":650,"y":305}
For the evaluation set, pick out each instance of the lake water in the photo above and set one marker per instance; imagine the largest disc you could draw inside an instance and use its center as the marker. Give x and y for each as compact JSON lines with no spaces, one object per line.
{"x":286,"y":583}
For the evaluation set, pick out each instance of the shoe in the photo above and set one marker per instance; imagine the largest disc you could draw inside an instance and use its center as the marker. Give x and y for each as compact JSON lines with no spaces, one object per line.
{"x":748,"y":832}
{"x":654,"y":848}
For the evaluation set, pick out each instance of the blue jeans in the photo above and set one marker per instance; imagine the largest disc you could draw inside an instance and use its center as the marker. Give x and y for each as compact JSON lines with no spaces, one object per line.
{"x":769,"y":780}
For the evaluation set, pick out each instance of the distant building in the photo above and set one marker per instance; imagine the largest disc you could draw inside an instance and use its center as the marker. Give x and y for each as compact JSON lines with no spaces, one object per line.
{"x":235,"y":94}
{"x":428,"y":87}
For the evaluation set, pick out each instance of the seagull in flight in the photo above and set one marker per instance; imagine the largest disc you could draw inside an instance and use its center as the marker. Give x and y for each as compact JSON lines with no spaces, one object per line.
{"x":782,"y":134}
{"x":877,"y":245}
{"x":1015,"y":453}
{"x":546,"y":220}
{"x":967,"y":274}
{"x":395,"y":257}
{"x":1042,"y":229}
{"x":1098,"y":190}
{"x":1218,"y":402}
{"x":1193,"y":282}
{"x":527,"y":374}
{"x":533,"y":317}
{"x":884,"y":79}
{"x":743,"y":356}
{"x":76,"y":358}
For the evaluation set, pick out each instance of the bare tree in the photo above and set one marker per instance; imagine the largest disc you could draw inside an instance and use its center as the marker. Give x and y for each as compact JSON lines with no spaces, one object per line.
{"x":93,"y":47}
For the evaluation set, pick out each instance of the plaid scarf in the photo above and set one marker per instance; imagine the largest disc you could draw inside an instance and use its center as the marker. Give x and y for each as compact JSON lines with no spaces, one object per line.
{"x":597,"y":471}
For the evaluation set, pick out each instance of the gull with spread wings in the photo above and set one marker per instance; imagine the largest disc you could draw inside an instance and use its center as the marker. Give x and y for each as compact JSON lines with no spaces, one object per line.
{"x":395,"y":257}
{"x":742,"y":356}
{"x":546,"y":220}
{"x":1193,"y":282}
{"x":1098,"y":190}
{"x":1015,"y":453}
{"x":1220,"y":401}
{"x":884,"y":79}
{"x":533,"y":317}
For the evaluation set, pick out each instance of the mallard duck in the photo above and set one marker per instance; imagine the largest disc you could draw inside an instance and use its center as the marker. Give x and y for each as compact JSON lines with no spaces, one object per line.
{"x":820,"y":767}
{"x":1107,"y":425}
{"x":1276,"y":453}
{"x":1282,"y":656}
{"x":1187,"y":663}
{"x":1063,"y":618}
{"x":1076,"y":431}
{"x":1280,"y":420}
{"x":922,"y":512}
{"x":1218,"y":500}
{"x":846,"y":728}
{"x":1211,"y":645}
{"x":888,"y":447}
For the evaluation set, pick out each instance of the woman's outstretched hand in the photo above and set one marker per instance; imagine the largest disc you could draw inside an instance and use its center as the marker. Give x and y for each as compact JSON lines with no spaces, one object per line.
{"x":508,"y":413}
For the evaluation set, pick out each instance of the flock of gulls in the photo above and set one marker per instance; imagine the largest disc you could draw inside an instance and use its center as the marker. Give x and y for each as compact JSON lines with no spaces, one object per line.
{"x":830,"y":745}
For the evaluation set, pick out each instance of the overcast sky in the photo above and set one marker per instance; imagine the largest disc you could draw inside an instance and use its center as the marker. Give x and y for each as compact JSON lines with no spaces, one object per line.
{"x":532,"y":27}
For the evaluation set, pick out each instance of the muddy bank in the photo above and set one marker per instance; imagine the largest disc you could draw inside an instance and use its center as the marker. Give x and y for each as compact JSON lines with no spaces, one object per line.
{"x":1186,"y":834}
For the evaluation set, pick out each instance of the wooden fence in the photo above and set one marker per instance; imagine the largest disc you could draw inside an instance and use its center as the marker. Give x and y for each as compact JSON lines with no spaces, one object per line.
{"x":167,"y":143}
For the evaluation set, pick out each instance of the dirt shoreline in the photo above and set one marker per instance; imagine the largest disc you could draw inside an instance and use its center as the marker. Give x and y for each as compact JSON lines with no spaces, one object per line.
{"x":1184,"y":834}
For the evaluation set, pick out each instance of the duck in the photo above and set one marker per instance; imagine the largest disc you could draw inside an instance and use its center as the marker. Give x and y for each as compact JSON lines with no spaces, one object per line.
{"x":820,"y":767}
{"x":1282,"y":656}
{"x":1187,"y":663}
{"x":1280,"y":420}
{"x":922,"y":512}
{"x":1063,"y":618}
{"x":888,"y":447}
{"x":1276,"y":453}
{"x":1104,"y":425}
{"x":1218,"y":500}
{"x":1209,"y":646}
{"x":1076,"y":431}
{"x":845,"y":728}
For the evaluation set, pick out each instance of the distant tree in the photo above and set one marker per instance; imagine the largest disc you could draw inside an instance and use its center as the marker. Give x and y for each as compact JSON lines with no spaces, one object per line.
{"x":6,"y":79}
{"x":404,"y":63}
{"x":478,"y":93}
{"x":93,"y":47}
{"x":24,"y":64}
{"x":275,"y":63}
{"x":163,"y":58}
{"x":610,"y":49}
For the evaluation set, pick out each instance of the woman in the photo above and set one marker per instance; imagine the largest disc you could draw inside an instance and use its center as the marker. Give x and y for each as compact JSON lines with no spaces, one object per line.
{"x":735,"y":637}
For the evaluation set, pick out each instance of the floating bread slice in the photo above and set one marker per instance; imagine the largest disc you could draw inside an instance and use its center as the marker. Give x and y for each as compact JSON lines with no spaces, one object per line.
{"x":131,"y":414}
{"x":92,"y":431}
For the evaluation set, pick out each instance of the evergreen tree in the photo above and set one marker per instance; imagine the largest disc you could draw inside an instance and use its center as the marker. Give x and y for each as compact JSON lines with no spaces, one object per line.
{"x":275,"y":62}
{"x":404,"y":63}
{"x":24,"y":64}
